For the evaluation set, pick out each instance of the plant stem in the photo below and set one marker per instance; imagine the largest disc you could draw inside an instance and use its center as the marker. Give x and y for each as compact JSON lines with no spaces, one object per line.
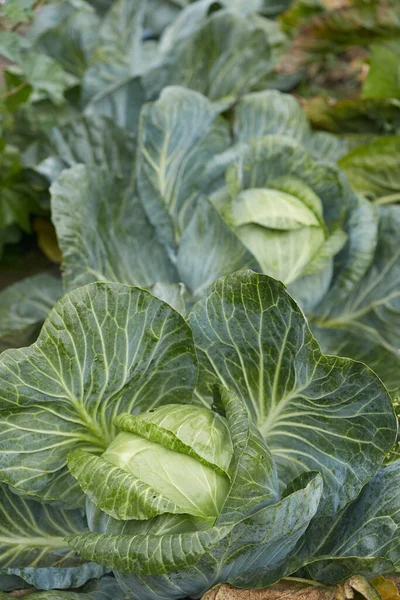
{"x":13,"y":90}
{"x":390,"y":199}
{"x":309,"y":582}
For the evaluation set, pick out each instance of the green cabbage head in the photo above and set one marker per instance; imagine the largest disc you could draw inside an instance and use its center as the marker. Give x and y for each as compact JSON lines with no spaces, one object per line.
{"x":184,"y":498}
{"x":282,"y":225}
{"x":198,"y":445}
{"x":287,"y":209}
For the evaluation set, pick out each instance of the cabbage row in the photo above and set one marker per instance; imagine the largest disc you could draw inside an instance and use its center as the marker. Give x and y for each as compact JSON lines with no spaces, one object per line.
{"x":226,"y":323}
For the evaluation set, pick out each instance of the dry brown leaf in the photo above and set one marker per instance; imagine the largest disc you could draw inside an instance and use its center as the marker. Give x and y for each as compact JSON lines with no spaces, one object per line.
{"x":386,"y":587}
{"x":294,"y":590}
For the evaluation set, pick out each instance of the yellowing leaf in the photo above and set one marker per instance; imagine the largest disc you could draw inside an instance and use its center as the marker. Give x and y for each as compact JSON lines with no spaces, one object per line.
{"x":47,"y":239}
{"x":386,"y":588}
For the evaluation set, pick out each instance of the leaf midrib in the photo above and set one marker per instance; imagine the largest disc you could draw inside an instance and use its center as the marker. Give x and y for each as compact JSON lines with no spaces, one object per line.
{"x":34,"y":542}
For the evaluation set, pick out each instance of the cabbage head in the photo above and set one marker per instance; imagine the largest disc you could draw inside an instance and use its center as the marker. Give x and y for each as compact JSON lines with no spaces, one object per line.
{"x":209,"y":449}
{"x":283,"y":226}
{"x":179,"y":488}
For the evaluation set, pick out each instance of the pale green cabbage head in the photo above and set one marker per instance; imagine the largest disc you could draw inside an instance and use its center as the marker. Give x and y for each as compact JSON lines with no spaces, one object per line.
{"x":283,"y":226}
{"x":189,"y":467}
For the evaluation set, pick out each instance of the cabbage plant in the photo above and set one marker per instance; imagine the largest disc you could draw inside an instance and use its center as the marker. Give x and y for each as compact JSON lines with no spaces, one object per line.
{"x":192,"y":198}
{"x":176,"y":479}
{"x":202,"y":450}
{"x":203,"y":203}
{"x":201,"y":206}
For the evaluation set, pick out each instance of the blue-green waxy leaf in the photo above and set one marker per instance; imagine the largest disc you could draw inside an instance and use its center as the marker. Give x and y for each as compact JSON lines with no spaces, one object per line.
{"x":363,"y":537}
{"x":105,"y":588}
{"x":327,"y":146}
{"x":148,"y":554}
{"x":103,"y":231}
{"x":264,"y":542}
{"x":354,"y":261}
{"x":223,"y":56}
{"x":173,"y":294}
{"x":104,"y":349}
{"x":253,"y":473}
{"x":120,"y":102}
{"x":23,"y":308}
{"x":118,"y":51}
{"x":67,"y":32}
{"x":209,"y":249}
{"x":252,"y":554}
{"x":178,"y":135}
{"x":8,"y":583}
{"x":270,"y":113}
{"x":364,"y":323}
{"x":316,"y":412}
{"x":33,"y":546}
{"x":96,"y":141}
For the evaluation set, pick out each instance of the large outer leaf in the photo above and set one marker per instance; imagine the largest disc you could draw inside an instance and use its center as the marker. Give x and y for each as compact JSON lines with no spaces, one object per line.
{"x":223,"y":58}
{"x":93,"y":140}
{"x":366,"y":530}
{"x":209,"y":249}
{"x":270,"y":113}
{"x":105,"y":588}
{"x":121,"y":103}
{"x":253,"y":473}
{"x":33,"y":546}
{"x":250,"y":556}
{"x":104,"y":349}
{"x":67,"y":32}
{"x":263,"y":560}
{"x":118,"y":50}
{"x":365,"y":324}
{"x":327,"y":146}
{"x":316,"y":412}
{"x":103,"y":231}
{"x":160,"y":13}
{"x":178,"y":135}
{"x":355,"y":259}
{"x":23,"y":308}
{"x":148,"y":554}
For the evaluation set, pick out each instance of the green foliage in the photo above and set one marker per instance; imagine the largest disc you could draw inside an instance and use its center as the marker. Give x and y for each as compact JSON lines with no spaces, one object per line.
{"x":109,"y":351}
{"x":23,"y":308}
{"x":17,"y":11}
{"x":190,"y":430}
{"x":383,"y":76}
{"x":373,"y":169}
